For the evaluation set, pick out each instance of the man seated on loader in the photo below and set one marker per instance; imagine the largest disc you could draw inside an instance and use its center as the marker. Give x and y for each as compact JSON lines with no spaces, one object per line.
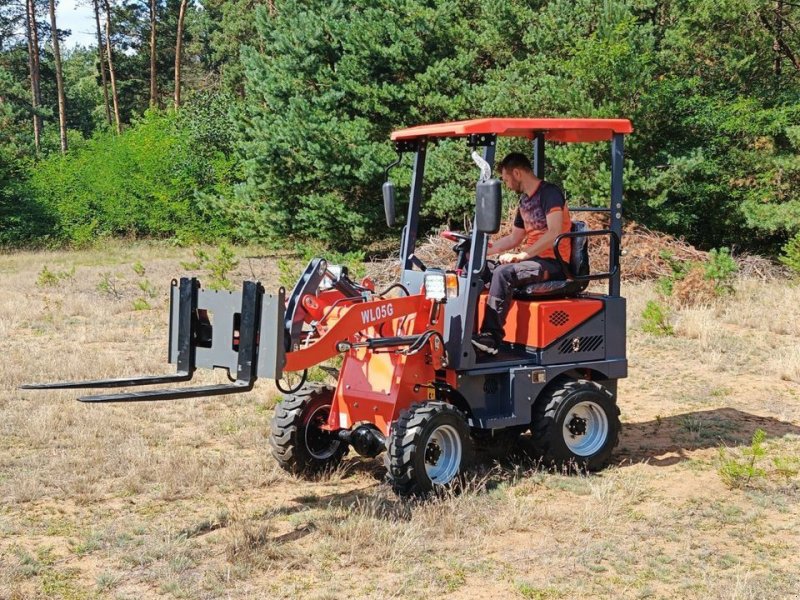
{"x":541,"y":217}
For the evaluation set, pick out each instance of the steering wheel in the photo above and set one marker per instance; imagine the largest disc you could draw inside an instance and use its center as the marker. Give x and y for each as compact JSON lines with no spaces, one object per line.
{"x":461,"y":248}
{"x":454,"y":236}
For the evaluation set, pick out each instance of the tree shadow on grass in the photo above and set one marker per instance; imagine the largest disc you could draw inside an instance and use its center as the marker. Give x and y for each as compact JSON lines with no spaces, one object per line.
{"x":663,"y":442}
{"x":666,"y":441}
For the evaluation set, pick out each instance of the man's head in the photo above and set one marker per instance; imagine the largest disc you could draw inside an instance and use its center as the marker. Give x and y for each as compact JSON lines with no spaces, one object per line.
{"x":515,"y":169}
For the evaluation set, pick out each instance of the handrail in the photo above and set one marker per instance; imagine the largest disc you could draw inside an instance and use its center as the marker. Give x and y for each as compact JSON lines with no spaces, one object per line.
{"x":614,"y":249}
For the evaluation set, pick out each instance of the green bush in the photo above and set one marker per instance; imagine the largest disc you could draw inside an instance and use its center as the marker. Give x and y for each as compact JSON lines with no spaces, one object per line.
{"x":791,"y":254}
{"x":48,"y":278}
{"x":720,"y":269}
{"x":142,"y":183}
{"x":656,"y":319}
{"x":218,"y":267}
{"x":739,"y":472}
{"x":140,"y":304}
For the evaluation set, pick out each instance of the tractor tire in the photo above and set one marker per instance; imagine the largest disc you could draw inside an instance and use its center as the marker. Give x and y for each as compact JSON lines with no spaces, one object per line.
{"x":429,"y":449}
{"x":298,"y":444}
{"x":576,"y":426}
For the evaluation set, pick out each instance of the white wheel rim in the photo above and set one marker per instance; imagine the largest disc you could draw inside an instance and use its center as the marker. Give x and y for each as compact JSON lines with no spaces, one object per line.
{"x":443,"y":454}
{"x":312,"y":441}
{"x":585,"y":429}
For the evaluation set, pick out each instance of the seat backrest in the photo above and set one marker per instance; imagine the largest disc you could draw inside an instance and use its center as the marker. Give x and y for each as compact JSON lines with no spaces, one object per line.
{"x":563,"y":288}
{"x":579,"y":259}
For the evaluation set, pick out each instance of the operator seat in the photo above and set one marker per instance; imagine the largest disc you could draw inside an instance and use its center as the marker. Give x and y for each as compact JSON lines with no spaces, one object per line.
{"x":563,"y":288}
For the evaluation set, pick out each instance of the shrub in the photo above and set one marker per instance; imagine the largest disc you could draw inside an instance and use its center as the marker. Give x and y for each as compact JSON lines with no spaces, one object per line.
{"x":739,"y":472}
{"x":694,"y":288}
{"x":142,"y":183}
{"x":140,"y":304}
{"x":720,"y":269}
{"x":218,"y":267}
{"x":655,"y":319}
{"x":791,"y":254}
{"x":694,"y":282}
{"x":49,"y":278}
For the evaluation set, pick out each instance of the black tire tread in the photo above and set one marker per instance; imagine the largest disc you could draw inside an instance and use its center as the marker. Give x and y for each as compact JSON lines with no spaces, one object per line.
{"x":287,"y":420}
{"x":544,"y":414}
{"x":405,"y":439}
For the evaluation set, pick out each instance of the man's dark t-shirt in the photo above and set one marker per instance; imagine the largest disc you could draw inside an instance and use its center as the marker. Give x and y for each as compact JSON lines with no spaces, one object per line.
{"x":532,"y":217}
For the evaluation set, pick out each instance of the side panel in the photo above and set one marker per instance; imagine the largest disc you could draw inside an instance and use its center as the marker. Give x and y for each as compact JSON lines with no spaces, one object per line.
{"x":539,"y":324}
{"x":376,"y":385}
{"x":616,"y":328}
{"x":585,"y":342}
{"x":501,"y":399}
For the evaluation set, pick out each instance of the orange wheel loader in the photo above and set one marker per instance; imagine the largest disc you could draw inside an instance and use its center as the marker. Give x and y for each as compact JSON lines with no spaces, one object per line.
{"x":410,"y":384}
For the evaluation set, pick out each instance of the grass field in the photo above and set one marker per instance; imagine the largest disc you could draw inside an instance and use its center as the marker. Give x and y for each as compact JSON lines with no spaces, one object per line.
{"x":182,"y":499}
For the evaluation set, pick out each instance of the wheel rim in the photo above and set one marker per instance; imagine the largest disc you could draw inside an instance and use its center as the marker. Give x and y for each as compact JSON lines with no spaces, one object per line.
{"x":443,"y":452}
{"x":585,"y":429}
{"x":319,"y":443}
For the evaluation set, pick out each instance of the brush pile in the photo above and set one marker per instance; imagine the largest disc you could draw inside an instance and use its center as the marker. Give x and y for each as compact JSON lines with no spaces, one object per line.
{"x":646,"y":254}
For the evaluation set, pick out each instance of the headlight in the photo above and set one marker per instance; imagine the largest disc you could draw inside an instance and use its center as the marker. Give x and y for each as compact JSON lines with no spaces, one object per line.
{"x":435,"y":285}
{"x":332,"y":275}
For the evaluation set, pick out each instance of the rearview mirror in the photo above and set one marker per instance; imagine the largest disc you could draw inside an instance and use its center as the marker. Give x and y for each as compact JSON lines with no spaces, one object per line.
{"x":388,"y":202}
{"x":488,"y":205}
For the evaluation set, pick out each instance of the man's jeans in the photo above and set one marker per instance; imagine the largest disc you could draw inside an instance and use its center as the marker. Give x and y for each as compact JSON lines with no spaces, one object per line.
{"x":504,"y":279}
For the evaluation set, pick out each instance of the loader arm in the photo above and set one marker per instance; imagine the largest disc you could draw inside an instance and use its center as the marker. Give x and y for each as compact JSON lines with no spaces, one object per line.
{"x":343,"y":328}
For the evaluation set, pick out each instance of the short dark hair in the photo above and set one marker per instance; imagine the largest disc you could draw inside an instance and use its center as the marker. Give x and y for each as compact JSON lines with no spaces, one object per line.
{"x":515,"y":160}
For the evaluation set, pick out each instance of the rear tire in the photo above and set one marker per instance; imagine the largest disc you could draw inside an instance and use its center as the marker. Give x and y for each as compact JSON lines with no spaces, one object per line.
{"x":298,"y":443}
{"x":576,"y":425}
{"x":429,"y":449}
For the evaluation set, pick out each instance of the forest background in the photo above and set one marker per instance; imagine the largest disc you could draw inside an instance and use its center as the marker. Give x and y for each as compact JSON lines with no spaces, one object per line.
{"x":268,"y":122}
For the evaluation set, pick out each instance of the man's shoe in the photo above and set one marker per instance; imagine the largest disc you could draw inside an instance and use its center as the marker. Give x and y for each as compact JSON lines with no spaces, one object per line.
{"x":485,"y":342}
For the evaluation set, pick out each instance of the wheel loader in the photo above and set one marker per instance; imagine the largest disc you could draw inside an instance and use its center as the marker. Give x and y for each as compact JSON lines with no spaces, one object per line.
{"x":410,"y":384}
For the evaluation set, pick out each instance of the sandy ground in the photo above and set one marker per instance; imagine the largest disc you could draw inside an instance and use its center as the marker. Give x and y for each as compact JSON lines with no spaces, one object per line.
{"x":183,"y":500}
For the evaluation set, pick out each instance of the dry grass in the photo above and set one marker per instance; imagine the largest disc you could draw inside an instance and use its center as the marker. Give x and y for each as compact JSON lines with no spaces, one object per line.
{"x":182,"y":500}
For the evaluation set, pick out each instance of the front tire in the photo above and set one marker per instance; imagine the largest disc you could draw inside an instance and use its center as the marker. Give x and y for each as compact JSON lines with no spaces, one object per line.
{"x":429,"y":448}
{"x":576,"y":425}
{"x":298,"y":443}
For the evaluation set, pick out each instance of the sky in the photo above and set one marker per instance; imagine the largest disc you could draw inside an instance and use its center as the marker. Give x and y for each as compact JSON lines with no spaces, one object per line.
{"x":78,"y":16}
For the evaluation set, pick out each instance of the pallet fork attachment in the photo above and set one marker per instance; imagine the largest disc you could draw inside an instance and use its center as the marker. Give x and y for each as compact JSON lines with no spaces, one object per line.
{"x":258,"y":322}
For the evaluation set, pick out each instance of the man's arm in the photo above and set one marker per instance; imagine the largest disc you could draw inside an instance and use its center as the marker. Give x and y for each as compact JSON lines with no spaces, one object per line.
{"x":554,"y":221}
{"x":507,"y":242}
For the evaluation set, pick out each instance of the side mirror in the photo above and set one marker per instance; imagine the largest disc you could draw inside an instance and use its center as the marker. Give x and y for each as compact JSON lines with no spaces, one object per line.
{"x":388,"y":203}
{"x":488,"y":205}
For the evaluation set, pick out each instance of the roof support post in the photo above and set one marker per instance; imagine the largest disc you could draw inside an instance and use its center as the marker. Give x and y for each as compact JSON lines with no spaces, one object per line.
{"x":538,"y":154}
{"x":460,"y":328}
{"x":617,"y":151}
{"x":411,"y":228}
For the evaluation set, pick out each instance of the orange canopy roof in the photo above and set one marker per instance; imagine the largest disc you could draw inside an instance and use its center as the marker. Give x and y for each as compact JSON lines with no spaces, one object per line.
{"x":558,"y":130}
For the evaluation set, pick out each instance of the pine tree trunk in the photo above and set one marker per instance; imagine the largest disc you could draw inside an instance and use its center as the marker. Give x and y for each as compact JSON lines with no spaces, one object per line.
{"x":33,"y":66}
{"x":776,"y":46}
{"x":62,"y":102}
{"x":101,"y":55}
{"x":178,"y":44}
{"x":113,"y":77}
{"x":153,"y":87}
